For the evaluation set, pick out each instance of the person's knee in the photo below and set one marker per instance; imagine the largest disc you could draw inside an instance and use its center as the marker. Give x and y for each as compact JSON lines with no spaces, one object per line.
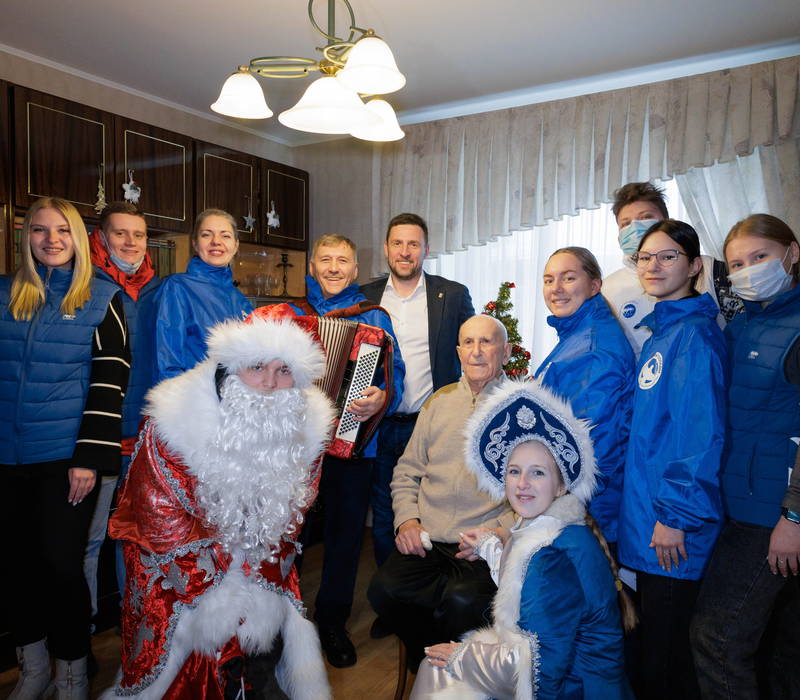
{"x":465,"y":600}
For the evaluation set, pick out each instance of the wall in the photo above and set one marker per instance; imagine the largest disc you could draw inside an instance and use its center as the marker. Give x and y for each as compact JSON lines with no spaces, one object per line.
{"x":343,"y":194}
{"x":38,"y":76}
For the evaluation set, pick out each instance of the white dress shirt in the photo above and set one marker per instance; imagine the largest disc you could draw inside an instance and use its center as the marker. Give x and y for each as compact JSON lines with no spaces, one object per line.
{"x":410,"y":321}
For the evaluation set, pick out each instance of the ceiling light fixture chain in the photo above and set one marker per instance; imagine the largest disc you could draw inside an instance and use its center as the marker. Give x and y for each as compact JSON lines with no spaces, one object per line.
{"x":332,"y":103}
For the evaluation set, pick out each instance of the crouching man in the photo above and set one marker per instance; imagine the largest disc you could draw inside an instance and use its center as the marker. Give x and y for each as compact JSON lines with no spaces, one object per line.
{"x":225,"y":469}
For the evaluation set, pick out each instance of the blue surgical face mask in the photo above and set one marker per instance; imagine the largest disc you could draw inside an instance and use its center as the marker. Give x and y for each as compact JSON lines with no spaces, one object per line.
{"x":631,"y":235}
{"x":128,"y":268}
{"x":763,"y":281}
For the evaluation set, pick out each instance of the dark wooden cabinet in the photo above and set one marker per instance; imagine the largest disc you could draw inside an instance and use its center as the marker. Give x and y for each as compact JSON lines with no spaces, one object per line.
{"x":159,"y":162}
{"x":229,"y":180}
{"x":62,"y":149}
{"x":5,"y":144}
{"x":284,"y":206}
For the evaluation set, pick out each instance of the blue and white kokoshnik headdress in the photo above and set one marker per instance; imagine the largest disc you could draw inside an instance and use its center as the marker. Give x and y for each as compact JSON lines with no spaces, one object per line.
{"x":519,"y":411}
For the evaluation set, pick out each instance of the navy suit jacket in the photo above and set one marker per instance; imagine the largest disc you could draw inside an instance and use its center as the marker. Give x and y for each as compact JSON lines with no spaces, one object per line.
{"x":449,"y":305}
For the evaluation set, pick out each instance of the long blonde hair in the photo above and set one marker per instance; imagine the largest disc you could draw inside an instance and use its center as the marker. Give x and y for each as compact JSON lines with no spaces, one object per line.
{"x":27,"y":289}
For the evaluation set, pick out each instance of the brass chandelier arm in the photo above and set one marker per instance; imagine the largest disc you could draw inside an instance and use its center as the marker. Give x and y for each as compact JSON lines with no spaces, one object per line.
{"x":283,"y":66}
{"x":330,"y":35}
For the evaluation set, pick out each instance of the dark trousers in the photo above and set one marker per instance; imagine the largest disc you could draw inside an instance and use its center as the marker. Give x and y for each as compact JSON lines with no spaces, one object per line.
{"x":393,"y":437}
{"x":738,"y":598}
{"x":44,"y":540}
{"x":344,"y":490}
{"x":665,"y":612}
{"x":431,"y":599}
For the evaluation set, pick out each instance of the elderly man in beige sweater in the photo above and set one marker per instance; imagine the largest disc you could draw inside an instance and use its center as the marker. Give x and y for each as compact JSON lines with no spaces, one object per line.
{"x":423,"y":591}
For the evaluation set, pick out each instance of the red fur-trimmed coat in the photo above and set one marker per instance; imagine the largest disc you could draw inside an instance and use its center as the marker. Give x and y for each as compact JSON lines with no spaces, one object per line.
{"x":189,"y":606}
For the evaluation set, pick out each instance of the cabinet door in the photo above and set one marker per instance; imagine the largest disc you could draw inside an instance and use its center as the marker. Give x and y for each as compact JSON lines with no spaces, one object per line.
{"x":5,"y":144}
{"x":284,"y":206}
{"x":229,"y":180}
{"x":62,"y":149}
{"x":159,"y":164}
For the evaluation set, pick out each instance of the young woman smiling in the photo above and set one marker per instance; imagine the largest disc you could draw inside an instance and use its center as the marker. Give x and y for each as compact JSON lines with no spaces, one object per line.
{"x":64,"y":363}
{"x":593,"y":366}
{"x":671,"y":510}
{"x":188,"y":304}
{"x":757,"y":557}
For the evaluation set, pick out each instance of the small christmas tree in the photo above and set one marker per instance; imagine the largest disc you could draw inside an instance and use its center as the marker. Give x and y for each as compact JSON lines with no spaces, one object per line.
{"x":500,"y":309}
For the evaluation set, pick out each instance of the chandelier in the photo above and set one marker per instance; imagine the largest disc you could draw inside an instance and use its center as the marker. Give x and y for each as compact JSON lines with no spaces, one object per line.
{"x":360,"y":65}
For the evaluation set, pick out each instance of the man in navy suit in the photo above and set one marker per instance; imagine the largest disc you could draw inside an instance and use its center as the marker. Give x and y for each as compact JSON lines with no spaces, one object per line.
{"x":426,"y":312}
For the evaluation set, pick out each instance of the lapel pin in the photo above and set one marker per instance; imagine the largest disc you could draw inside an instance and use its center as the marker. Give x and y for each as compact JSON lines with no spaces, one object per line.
{"x":441,"y":294}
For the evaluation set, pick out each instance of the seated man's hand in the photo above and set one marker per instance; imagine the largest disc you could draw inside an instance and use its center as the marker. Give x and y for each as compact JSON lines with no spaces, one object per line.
{"x":408,"y":540}
{"x":368,"y":404}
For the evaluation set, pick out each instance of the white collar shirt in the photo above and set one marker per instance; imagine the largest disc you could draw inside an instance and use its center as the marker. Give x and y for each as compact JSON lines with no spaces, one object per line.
{"x":410,"y":321}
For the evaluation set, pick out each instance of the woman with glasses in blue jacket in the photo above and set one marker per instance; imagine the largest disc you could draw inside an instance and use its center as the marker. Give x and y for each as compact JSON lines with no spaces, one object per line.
{"x":592,"y":367}
{"x":671,"y":510}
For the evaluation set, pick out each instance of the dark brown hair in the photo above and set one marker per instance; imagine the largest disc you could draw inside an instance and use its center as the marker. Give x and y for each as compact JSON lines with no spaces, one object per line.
{"x":411,"y":220}
{"x":639,"y":192}
{"x":119,"y":208}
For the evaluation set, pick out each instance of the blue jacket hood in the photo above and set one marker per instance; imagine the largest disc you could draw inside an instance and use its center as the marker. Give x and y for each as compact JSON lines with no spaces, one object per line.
{"x":667,"y":313}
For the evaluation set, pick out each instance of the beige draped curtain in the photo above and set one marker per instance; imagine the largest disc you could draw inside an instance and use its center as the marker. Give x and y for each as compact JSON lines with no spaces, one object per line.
{"x":479,"y":176}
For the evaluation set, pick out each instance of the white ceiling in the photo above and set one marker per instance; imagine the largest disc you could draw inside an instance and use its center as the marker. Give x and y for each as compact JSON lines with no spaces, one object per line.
{"x":459,"y":56}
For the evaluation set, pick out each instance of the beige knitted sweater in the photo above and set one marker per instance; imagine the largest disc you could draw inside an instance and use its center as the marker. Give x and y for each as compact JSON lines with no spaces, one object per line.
{"x":431,"y":482}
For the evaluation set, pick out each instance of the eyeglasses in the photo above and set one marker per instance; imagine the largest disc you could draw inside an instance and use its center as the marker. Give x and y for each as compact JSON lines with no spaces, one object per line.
{"x":665,"y":258}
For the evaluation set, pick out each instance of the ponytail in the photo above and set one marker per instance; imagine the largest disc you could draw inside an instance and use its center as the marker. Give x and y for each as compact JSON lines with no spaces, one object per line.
{"x":626,"y":608}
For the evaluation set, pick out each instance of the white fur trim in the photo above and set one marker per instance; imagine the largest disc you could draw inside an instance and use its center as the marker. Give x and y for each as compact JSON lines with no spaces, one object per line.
{"x":505,"y":393}
{"x":236,"y":344}
{"x":185,"y":412}
{"x":215,"y":620}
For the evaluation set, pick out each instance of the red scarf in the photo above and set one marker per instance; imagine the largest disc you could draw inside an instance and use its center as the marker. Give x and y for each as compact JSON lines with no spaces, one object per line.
{"x":131,"y":284}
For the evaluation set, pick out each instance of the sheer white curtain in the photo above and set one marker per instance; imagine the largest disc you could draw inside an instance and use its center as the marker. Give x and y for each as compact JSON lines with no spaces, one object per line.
{"x":765,"y":182}
{"x":521,"y":257}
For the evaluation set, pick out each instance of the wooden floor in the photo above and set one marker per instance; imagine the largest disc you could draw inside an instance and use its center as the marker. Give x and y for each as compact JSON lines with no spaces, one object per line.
{"x":374,"y":676}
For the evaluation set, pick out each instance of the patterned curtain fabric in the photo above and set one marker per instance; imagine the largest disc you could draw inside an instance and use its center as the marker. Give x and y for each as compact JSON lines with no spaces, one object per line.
{"x":479,"y":176}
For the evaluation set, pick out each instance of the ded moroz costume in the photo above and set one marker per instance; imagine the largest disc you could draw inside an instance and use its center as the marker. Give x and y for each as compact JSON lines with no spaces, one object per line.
{"x":210,"y":513}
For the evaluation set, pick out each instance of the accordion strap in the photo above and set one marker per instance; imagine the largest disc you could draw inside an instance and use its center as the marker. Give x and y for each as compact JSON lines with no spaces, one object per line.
{"x":347,"y":312}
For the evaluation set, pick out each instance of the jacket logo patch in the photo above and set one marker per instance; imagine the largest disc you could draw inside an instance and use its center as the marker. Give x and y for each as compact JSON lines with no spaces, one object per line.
{"x":68,"y":317}
{"x":628,"y":310}
{"x":753,"y":355}
{"x":651,"y":371}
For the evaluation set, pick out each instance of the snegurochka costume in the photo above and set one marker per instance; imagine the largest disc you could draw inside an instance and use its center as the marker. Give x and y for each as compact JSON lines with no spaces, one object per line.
{"x":191,"y":603}
{"x":557,"y":630}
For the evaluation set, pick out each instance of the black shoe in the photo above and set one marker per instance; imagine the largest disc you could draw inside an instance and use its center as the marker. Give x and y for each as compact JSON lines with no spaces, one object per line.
{"x":337,"y":647}
{"x":380,"y":629}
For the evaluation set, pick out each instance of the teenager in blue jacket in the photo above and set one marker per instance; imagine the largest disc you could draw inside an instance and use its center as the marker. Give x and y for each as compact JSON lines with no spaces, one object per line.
{"x":758,"y":553}
{"x":671,"y":509}
{"x":188,"y":304}
{"x":592,"y":367}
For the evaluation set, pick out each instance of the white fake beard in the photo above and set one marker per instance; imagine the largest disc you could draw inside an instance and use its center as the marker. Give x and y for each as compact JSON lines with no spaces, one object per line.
{"x":252,"y":481}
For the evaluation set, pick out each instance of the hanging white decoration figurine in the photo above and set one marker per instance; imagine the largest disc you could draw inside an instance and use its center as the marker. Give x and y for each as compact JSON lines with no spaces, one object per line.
{"x":132,"y":190}
{"x":101,"y":203}
{"x":273,"y":219}
{"x":249,"y":220}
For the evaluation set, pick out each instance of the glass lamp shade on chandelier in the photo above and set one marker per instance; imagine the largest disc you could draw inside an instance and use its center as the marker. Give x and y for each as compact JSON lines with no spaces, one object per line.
{"x":332,"y":104}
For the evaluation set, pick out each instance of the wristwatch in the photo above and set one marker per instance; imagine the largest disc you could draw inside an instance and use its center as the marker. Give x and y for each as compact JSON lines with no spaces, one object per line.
{"x":791,"y":515}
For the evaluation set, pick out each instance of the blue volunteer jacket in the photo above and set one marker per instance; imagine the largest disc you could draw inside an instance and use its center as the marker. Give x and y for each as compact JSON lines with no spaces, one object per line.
{"x":763,"y":413}
{"x":348,"y":297}
{"x":592,"y":367}
{"x":45,"y":365}
{"x":187,"y":306}
{"x":676,"y":439}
